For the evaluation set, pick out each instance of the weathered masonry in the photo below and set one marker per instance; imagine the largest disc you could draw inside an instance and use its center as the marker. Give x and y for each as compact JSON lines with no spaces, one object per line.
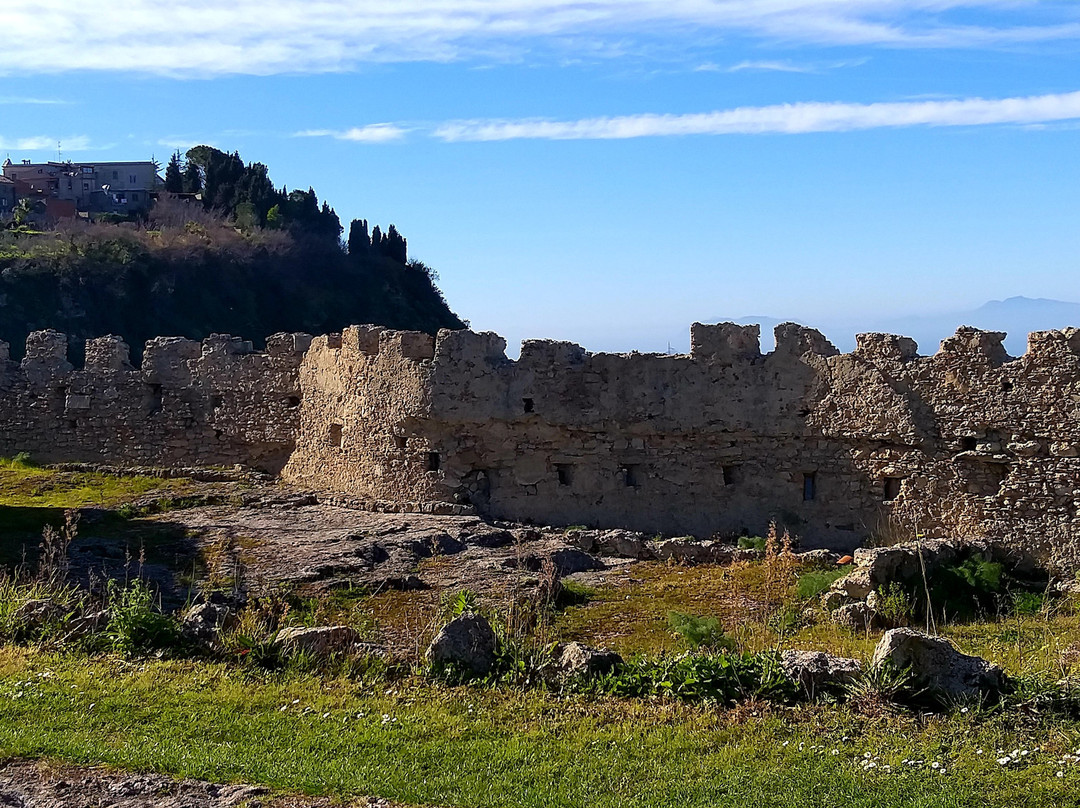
{"x":967,"y":442}
{"x":212,"y":403}
{"x":835,"y":446}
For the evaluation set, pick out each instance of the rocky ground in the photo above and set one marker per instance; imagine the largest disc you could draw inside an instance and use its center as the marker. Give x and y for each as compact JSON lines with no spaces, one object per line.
{"x":41,"y":784}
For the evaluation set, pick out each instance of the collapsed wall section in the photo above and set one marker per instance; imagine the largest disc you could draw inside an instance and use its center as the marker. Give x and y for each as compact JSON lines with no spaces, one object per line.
{"x":834,"y":446}
{"x":217,"y":402}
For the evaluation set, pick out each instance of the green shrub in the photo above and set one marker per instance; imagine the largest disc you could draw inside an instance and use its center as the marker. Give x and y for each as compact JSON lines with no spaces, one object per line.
{"x":895,"y":605}
{"x":721,"y":678}
{"x":812,"y":583}
{"x":700,"y":632}
{"x":136,"y":624}
{"x":967,"y":589}
{"x":752,"y":543}
{"x":455,"y":604}
{"x":1027,"y":602}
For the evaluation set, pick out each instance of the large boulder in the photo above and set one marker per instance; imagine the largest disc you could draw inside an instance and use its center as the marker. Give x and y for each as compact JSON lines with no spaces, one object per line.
{"x":318,"y":641}
{"x":816,"y":671}
{"x":573,"y":659}
{"x":937,"y":665}
{"x":467,"y":642}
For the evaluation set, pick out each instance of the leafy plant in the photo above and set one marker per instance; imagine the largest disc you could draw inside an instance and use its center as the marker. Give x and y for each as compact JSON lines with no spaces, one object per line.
{"x":455,"y":604}
{"x":895,"y":605}
{"x":752,"y":543}
{"x":700,"y":632}
{"x":136,"y":623}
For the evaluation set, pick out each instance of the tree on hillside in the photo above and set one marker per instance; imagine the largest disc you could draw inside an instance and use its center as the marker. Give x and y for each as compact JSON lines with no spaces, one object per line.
{"x":192,"y":178}
{"x":174,"y":175}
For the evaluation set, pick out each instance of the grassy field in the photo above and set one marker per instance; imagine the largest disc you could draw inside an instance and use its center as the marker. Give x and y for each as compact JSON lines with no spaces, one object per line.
{"x":405,"y":737}
{"x":423,"y":744}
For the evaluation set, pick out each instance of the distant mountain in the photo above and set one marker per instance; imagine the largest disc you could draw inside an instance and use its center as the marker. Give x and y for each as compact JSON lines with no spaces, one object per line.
{"x":1017,"y":316}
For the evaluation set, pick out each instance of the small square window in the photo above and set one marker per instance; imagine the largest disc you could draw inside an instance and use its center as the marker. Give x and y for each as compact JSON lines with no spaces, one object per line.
{"x":892,"y":488}
{"x":528,"y":405}
{"x":565,"y":473}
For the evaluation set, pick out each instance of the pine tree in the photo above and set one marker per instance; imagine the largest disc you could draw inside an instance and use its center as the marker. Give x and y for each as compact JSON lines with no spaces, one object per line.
{"x":174,"y":175}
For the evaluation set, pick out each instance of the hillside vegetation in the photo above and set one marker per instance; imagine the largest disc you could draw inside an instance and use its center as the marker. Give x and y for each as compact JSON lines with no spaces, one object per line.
{"x":246,"y":259}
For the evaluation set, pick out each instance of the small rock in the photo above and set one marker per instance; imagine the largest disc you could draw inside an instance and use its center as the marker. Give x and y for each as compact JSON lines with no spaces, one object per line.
{"x":34,"y":614}
{"x":855,"y":585}
{"x":937,"y":665}
{"x":822,"y":557}
{"x":491,"y":538}
{"x":855,"y":616}
{"x":204,"y":621}
{"x":568,"y":560}
{"x":573,"y":659}
{"x":467,"y":641}
{"x":319,"y":641}
{"x":816,"y":671}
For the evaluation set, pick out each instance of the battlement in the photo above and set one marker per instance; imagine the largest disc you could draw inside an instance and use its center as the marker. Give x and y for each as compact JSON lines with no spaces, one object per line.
{"x":722,"y":439}
{"x":212,"y":402}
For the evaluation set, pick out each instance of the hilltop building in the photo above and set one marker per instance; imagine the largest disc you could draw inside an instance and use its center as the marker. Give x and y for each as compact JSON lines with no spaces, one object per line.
{"x":86,"y":187}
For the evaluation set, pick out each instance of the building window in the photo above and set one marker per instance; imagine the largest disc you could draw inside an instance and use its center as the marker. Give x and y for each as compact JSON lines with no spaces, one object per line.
{"x":892,"y":488}
{"x":133,"y":179}
{"x":401,"y":442}
{"x":528,"y":404}
{"x":335,"y":434}
{"x":631,"y":476}
{"x":565,"y":473}
{"x":970,"y":443}
{"x":86,"y":186}
{"x":434,"y":462}
{"x":809,"y":486}
{"x":730,"y":475}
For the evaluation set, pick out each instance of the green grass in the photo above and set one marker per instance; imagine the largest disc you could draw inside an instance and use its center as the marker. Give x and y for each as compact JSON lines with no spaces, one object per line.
{"x":28,"y":486}
{"x":423,"y":744}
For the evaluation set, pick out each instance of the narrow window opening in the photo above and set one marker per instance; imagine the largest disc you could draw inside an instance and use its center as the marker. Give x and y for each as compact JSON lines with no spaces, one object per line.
{"x":292,"y":402}
{"x":730,"y":475}
{"x":809,"y":486}
{"x":631,"y":476}
{"x":335,"y":434}
{"x":154,"y":399}
{"x":434,"y":462}
{"x":217,"y":401}
{"x":970,"y":443}
{"x":1006,"y":386}
{"x":565,"y":473}
{"x":892,"y":488}
{"x":528,"y":405}
{"x":400,"y":442}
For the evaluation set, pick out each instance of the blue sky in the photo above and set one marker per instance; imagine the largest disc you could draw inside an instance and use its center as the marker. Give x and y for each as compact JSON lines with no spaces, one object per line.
{"x":609,"y":172}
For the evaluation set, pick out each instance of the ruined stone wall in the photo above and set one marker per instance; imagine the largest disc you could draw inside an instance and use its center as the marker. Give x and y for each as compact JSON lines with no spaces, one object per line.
{"x":834,"y":446}
{"x":212,"y":403}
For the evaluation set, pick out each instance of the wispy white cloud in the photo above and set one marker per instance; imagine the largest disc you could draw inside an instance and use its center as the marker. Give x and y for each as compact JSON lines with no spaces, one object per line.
{"x":778,"y":119}
{"x":372,"y":133}
{"x":206,"y":37}
{"x":46,"y":143}
{"x":18,"y":99}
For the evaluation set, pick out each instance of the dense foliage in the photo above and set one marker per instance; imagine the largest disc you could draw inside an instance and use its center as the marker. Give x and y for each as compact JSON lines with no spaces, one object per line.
{"x":246,"y":259}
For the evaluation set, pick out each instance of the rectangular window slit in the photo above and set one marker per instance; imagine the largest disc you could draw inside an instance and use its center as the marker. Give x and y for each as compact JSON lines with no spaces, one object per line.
{"x":729,"y":475}
{"x":892,"y":488}
{"x":335,"y":434}
{"x":631,"y":476}
{"x":565,"y":473}
{"x":433,"y":461}
{"x":400,"y":442}
{"x":528,"y":404}
{"x":809,"y":486}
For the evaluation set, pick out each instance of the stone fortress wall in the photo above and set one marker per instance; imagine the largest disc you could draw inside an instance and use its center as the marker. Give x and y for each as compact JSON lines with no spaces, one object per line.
{"x":214,"y":403}
{"x":836,"y":447}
